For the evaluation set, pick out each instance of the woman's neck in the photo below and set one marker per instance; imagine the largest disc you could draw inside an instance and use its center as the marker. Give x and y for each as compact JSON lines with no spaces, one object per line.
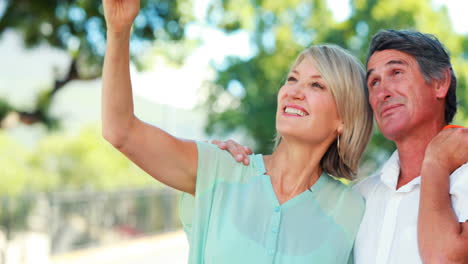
{"x":294,"y":168}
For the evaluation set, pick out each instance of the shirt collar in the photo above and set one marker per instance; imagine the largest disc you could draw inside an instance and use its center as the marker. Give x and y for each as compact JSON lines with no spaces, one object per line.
{"x":391,"y":171}
{"x":258,"y":163}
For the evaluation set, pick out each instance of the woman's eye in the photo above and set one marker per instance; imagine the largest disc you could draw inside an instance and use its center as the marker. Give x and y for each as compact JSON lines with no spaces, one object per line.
{"x":317,"y":85}
{"x":291,"y":79}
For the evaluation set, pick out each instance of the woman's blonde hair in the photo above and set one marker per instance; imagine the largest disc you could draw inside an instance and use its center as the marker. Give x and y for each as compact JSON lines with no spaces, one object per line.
{"x":345,"y":77}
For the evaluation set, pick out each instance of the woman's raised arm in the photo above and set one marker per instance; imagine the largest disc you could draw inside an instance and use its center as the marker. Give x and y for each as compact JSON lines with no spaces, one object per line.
{"x":169,"y":160}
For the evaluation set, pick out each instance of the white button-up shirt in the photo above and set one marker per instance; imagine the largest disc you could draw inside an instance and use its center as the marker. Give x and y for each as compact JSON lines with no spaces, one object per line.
{"x":388,"y":231}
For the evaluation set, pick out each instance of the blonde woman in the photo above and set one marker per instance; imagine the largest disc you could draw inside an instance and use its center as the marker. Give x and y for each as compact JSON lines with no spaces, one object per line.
{"x":281,"y":208}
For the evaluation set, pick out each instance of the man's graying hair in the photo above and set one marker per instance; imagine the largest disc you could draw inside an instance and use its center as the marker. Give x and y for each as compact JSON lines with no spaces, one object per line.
{"x":431,"y":55}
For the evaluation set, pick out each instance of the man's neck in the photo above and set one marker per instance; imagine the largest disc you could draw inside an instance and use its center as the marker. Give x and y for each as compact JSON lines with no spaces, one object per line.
{"x":411,"y":152}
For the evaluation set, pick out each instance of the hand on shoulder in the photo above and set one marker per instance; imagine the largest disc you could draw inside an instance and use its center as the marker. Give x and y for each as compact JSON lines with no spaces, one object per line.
{"x":448,"y":150}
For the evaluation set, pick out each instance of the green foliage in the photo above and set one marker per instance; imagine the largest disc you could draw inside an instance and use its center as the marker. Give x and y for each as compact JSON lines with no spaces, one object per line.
{"x":281,"y":29}
{"x":5,"y":107}
{"x":78,"y":26}
{"x":60,"y":163}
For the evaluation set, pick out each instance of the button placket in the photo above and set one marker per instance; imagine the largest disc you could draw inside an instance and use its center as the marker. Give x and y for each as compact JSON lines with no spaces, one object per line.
{"x":273,"y":234}
{"x":388,"y":228}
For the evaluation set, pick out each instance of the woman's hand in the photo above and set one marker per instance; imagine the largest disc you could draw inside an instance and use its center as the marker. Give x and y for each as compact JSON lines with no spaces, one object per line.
{"x":239,"y":153}
{"x":120,"y":14}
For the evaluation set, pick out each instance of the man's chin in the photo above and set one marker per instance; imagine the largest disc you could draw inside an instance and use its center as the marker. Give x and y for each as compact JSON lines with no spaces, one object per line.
{"x":392,"y":131}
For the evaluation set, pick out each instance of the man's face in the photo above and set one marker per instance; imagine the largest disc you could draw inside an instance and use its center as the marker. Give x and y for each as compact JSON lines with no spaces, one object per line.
{"x":401,"y":99}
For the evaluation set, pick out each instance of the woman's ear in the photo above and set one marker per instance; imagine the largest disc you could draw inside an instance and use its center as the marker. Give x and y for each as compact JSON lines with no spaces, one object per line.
{"x":339,"y":130}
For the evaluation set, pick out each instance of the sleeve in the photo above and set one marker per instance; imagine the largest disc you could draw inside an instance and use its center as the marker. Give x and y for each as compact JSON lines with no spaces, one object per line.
{"x":214,"y":166}
{"x":206,"y":177}
{"x":459,"y":192}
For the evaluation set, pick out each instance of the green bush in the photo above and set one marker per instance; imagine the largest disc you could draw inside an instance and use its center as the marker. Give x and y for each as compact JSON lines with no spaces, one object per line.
{"x":61,"y":162}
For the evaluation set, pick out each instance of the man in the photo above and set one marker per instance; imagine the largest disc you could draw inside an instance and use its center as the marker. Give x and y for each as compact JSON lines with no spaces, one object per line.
{"x":411,"y":88}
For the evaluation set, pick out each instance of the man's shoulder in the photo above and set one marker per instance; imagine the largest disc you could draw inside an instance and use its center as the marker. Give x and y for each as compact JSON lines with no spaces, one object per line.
{"x":459,"y":178}
{"x":462,"y":170}
{"x":459,"y":192}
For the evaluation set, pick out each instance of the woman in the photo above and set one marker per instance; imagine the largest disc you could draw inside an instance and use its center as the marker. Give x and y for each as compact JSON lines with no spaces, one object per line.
{"x":283,"y":207}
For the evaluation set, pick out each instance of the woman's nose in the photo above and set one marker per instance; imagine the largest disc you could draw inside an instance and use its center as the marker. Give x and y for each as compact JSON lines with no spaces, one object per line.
{"x":296,"y":92}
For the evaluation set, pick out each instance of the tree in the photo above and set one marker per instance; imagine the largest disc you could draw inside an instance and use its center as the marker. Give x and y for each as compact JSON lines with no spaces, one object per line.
{"x":281,"y":29}
{"x":78,"y":27}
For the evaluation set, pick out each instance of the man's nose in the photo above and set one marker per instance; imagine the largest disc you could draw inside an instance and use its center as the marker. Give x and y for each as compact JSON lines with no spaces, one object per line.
{"x":383,"y":91}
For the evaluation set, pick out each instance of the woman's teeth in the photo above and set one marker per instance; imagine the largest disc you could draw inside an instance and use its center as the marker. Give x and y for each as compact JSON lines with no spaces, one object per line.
{"x":294,"y":111}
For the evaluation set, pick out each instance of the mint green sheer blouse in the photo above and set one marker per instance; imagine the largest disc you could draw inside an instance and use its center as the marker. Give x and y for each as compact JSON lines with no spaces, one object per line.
{"x":235,"y":216}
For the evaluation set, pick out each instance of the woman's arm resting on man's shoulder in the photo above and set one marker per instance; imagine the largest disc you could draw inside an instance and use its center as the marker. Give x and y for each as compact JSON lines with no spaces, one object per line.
{"x":441,"y":237}
{"x":169,"y":160}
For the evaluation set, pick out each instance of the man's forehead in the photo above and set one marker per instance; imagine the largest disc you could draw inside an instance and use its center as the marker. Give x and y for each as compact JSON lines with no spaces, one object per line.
{"x":388,"y":58}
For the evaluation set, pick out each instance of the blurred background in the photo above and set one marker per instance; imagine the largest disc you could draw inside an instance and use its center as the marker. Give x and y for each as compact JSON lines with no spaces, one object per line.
{"x":201,"y":69}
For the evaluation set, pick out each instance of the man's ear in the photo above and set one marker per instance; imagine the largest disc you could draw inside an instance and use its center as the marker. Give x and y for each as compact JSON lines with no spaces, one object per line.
{"x":442,"y":85}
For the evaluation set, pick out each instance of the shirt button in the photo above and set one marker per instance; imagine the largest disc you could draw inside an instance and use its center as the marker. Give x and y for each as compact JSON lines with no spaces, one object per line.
{"x":271,"y":252}
{"x":277,"y":209}
{"x":274,"y":230}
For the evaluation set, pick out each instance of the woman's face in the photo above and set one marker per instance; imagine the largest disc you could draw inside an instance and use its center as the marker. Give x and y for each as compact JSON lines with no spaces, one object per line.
{"x":306,"y":108}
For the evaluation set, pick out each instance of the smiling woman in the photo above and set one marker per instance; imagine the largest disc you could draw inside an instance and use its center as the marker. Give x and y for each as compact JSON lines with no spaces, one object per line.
{"x":331,"y":81}
{"x":283,"y":207}
{"x":278,"y":209}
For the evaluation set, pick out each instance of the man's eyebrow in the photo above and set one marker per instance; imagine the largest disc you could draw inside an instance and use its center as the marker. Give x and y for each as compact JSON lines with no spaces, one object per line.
{"x":369,"y":73}
{"x":392,"y":62}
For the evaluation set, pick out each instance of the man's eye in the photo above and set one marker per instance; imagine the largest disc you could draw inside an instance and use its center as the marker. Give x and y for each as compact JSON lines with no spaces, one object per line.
{"x":373,"y":83}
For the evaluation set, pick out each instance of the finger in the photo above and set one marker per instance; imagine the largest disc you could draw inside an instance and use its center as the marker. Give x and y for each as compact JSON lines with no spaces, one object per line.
{"x":221,"y":144}
{"x":232,"y":147}
{"x":240,"y":150}
{"x":248,"y":150}
{"x":232,"y":150}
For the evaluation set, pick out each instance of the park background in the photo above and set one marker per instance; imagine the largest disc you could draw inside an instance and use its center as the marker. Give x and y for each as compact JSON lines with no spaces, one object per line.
{"x":201,"y":69}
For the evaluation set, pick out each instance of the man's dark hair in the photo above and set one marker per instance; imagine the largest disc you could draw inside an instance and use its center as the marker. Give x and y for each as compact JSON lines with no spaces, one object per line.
{"x":431,"y":55}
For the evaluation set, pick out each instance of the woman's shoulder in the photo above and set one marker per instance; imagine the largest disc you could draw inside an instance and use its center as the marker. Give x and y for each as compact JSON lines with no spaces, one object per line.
{"x":346,"y":206}
{"x":343,"y":189}
{"x":219,"y":161}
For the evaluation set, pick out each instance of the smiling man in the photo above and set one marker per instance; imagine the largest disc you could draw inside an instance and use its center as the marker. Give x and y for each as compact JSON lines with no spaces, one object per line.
{"x":417,"y":204}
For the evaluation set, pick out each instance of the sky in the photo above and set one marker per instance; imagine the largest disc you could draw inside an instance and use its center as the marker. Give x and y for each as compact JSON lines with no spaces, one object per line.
{"x":23,"y":71}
